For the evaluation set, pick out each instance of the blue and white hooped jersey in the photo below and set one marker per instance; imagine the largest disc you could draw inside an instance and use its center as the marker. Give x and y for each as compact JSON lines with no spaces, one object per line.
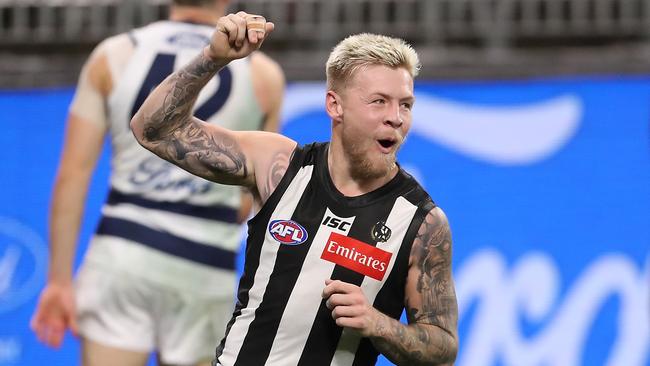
{"x":160,"y":221}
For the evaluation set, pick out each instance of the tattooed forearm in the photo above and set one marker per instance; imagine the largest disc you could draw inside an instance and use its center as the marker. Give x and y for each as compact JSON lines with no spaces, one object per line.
{"x":169,"y":129}
{"x":415,"y":344}
{"x":430,"y":338}
{"x":176,"y":107}
{"x":194,"y":147}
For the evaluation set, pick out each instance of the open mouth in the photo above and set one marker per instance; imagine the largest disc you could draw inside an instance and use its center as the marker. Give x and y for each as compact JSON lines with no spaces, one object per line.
{"x":386,"y":143}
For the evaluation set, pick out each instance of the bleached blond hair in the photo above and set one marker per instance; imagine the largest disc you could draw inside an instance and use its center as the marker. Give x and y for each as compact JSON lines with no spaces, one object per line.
{"x":366,"y":49}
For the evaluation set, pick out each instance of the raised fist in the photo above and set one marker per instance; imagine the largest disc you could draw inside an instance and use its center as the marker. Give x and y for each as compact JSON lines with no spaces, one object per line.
{"x":237,"y":35}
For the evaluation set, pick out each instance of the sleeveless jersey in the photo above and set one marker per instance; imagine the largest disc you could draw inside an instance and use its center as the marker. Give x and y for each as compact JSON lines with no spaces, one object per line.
{"x":305,"y":233}
{"x":160,"y":221}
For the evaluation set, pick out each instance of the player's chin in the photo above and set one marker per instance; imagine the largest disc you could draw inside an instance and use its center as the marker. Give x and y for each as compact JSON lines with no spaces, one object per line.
{"x":382,"y":166}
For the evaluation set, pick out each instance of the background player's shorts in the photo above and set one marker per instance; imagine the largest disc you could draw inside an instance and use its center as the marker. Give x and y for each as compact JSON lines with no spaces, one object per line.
{"x":127,"y":312}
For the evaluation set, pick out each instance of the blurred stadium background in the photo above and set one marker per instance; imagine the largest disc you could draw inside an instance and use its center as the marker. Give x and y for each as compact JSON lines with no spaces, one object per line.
{"x":531,"y":130}
{"x":44,"y":42}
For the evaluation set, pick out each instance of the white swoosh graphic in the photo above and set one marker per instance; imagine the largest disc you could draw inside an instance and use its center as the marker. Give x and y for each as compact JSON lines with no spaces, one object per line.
{"x":302,"y":98}
{"x":502,"y":135}
{"x":505,"y":135}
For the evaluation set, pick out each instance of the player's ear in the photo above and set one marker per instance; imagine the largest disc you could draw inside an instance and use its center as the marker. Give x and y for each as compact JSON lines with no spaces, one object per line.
{"x":333,"y":105}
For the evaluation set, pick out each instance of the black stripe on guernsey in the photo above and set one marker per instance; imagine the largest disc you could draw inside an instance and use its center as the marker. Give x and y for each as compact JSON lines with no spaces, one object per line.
{"x":262,"y":331}
{"x":167,"y":243}
{"x":317,"y":352}
{"x":213,"y":212}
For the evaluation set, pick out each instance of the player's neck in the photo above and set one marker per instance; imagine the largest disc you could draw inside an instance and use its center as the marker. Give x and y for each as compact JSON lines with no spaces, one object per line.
{"x":195,"y":14}
{"x":343,"y":177}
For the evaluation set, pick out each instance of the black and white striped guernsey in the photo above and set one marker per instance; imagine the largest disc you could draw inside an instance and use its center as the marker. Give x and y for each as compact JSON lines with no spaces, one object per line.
{"x":308,"y":232}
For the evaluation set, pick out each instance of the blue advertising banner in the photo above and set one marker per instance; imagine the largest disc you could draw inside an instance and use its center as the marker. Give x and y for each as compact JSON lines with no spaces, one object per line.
{"x":546,"y":184}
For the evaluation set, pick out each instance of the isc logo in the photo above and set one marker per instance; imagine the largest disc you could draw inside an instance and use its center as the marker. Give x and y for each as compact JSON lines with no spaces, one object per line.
{"x":287,"y":232}
{"x":336,"y":223}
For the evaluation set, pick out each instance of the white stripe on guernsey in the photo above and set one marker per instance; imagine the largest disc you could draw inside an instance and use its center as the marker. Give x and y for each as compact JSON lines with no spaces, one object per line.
{"x":283,"y":211}
{"x":305,"y":298}
{"x":209,"y":232}
{"x":398,"y":221}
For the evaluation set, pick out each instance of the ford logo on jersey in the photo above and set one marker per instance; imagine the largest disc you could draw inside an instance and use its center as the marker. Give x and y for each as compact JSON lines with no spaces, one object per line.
{"x":287,"y":232}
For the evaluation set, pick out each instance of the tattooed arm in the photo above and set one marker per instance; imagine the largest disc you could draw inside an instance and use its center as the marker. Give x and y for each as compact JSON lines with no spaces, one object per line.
{"x":430,"y":338}
{"x":165,"y":125}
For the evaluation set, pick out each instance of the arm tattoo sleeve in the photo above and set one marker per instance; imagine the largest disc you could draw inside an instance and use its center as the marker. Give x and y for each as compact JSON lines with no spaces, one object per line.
{"x":432,"y":256}
{"x":172,"y":132}
{"x":430,"y":338}
{"x":175,"y":109}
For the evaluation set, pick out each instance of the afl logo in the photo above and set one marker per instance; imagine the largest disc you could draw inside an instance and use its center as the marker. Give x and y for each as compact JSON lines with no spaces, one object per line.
{"x":287,"y":232}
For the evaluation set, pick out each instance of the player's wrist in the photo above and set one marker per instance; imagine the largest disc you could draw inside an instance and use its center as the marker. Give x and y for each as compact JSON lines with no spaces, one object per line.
{"x":379,"y":322}
{"x":209,"y":55}
{"x":63,"y":278}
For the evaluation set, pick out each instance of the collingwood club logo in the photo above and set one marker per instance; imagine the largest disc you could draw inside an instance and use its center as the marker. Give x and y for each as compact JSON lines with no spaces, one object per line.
{"x":380,"y":232}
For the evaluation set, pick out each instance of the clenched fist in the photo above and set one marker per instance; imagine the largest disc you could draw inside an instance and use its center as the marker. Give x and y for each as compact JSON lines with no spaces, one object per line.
{"x":237,"y":36}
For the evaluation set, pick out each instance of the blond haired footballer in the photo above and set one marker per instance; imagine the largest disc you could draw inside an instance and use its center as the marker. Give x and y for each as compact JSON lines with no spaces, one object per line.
{"x":345,"y":239}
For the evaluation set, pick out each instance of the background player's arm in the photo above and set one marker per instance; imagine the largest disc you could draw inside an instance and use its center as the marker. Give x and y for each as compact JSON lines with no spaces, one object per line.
{"x":165,"y":125}
{"x":431,"y":336}
{"x":85,"y":131}
{"x":269,"y":83}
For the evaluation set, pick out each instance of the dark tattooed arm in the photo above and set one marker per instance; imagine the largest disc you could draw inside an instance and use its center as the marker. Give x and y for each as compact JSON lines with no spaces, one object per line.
{"x":431,"y":336}
{"x":165,"y":126}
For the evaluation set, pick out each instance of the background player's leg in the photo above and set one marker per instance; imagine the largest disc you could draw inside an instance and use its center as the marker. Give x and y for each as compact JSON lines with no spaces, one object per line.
{"x":191,"y":328}
{"x":201,"y":363}
{"x":207,"y":363}
{"x":95,"y":354}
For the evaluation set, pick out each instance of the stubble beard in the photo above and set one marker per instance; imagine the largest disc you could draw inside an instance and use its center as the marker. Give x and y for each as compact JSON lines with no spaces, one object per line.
{"x":362,"y":167}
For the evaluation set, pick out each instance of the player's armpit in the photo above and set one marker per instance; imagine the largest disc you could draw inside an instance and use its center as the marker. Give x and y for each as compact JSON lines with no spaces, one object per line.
{"x":271,"y":154}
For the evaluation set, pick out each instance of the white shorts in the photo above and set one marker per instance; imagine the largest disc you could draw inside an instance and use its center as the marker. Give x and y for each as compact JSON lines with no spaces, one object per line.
{"x":127,"y":312}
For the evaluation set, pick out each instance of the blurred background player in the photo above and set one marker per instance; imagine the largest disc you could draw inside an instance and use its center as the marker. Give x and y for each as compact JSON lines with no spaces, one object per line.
{"x":159,"y":274}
